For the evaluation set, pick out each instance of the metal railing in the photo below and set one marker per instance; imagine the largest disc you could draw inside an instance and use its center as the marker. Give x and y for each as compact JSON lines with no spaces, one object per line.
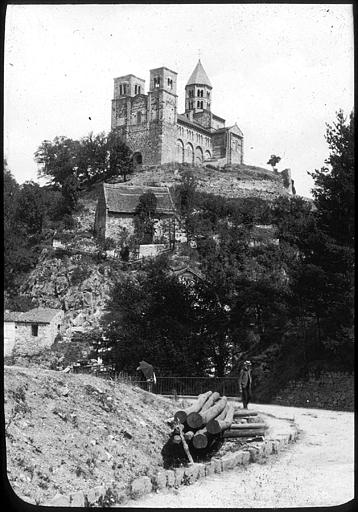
{"x":193,"y":386}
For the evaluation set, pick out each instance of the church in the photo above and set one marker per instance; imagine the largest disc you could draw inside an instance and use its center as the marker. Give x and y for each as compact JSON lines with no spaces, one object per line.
{"x":152,"y":128}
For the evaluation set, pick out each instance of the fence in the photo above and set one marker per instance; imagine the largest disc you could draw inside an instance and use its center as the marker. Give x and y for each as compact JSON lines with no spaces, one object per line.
{"x":228,"y":386}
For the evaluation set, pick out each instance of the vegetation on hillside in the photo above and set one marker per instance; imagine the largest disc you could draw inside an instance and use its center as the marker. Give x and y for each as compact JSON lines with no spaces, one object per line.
{"x":292,"y":299}
{"x":284,"y":299}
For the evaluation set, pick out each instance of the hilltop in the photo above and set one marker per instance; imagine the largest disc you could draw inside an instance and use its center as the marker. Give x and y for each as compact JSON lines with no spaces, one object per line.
{"x":234,"y":181}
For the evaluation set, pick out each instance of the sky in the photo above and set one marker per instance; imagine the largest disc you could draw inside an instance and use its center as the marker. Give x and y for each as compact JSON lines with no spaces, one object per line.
{"x":280,"y":71}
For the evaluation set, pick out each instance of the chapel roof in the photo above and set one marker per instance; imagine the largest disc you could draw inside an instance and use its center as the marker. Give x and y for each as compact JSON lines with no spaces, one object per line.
{"x":125,"y":198}
{"x":199,"y":76}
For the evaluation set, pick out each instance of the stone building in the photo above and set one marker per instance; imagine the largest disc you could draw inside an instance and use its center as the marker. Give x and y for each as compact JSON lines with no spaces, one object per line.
{"x":151,"y":126}
{"x":28,"y":333}
{"x":116,"y":208}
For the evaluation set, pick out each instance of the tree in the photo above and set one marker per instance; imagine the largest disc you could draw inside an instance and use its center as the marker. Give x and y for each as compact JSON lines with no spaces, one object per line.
{"x":334,"y":183}
{"x":273,"y":161}
{"x":57,"y":160}
{"x":120,"y":156}
{"x":144,"y":220}
{"x":19,"y":256}
{"x":30,"y":200}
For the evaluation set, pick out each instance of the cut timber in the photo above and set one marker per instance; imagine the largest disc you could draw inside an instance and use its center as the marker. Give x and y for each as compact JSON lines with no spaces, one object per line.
{"x":197,"y":405}
{"x":244,"y":412}
{"x":200,"y":439}
{"x":223,"y":413}
{"x":217,"y":425}
{"x":210,"y":401}
{"x":188,"y":435}
{"x":244,"y":433}
{"x":198,"y":419}
{"x":185,"y":445}
{"x":245,"y":426}
{"x":215,"y":410}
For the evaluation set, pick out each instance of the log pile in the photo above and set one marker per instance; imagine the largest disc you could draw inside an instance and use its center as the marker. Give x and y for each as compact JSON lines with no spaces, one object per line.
{"x":210,"y":417}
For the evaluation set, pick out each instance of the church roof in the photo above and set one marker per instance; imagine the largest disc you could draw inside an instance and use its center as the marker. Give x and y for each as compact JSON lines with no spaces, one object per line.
{"x":125,"y":198}
{"x":199,"y":76}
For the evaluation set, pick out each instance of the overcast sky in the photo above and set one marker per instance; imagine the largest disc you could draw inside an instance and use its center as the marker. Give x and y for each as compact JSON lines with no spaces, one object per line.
{"x":280,"y":71}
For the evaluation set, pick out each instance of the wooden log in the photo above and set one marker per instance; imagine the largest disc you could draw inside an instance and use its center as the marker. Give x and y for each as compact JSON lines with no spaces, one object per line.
{"x":244,"y":412}
{"x":215,"y":410}
{"x":188,"y":436}
{"x":210,"y":401}
{"x":215,"y":426}
{"x":243,"y":433}
{"x":200,"y":439}
{"x":246,"y":426}
{"x":197,"y":405}
{"x":185,"y":445}
{"x":198,"y":419}
{"x":223,"y":413}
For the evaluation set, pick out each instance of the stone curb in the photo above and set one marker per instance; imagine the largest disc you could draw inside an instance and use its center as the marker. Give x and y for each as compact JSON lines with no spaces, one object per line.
{"x":188,"y":475}
{"x":182,"y":475}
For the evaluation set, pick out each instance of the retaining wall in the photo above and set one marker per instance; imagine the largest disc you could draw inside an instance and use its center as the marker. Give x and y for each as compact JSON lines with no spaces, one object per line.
{"x":329,"y":390}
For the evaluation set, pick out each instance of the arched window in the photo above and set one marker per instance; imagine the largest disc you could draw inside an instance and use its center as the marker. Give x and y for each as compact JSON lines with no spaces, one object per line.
{"x":189,"y":153}
{"x":207,"y":155}
{"x":180,"y":151}
{"x":120,"y":90}
{"x":198,"y":155}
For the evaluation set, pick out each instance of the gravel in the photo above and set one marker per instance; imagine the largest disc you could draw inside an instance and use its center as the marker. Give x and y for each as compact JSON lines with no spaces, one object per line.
{"x":318,"y":470}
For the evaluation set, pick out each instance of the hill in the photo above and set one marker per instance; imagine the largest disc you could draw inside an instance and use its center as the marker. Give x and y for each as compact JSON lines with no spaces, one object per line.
{"x":66,"y":432}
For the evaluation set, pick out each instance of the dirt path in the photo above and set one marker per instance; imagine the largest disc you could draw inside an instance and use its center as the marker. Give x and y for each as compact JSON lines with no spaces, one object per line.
{"x":316,"y":471}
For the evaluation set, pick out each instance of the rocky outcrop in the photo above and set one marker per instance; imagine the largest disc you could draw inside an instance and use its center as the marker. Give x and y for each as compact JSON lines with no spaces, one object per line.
{"x":232,"y":181}
{"x":76,"y":284}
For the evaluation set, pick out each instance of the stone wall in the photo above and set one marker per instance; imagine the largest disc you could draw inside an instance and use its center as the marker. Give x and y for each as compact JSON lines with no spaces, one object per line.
{"x":28,"y":344}
{"x":9,"y":337}
{"x":329,"y":390}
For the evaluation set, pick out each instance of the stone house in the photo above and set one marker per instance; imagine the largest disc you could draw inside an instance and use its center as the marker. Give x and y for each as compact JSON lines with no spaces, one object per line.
{"x":156,"y":133}
{"x":116,"y":208}
{"x":27,"y":333}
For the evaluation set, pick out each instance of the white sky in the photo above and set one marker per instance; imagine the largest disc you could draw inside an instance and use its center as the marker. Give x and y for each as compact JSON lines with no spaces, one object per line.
{"x":280,"y":71}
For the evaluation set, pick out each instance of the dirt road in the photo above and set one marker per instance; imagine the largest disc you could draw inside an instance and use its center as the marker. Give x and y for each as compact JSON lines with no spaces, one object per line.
{"x":316,"y":471}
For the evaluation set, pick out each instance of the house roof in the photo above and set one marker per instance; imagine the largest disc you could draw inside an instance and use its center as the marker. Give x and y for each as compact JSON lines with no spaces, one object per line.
{"x":125,"y":198}
{"x":11,"y":316}
{"x":199,"y":76}
{"x":38,"y":315}
{"x":187,"y":270}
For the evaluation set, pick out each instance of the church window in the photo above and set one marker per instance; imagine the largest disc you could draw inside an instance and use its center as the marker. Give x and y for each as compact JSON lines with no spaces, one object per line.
{"x":170,"y":83}
{"x":156,"y":81}
{"x":138,"y":89}
{"x":208,"y":94}
{"x":120,"y":90}
{"x":34,"y":329}
{"x":135,"y":89}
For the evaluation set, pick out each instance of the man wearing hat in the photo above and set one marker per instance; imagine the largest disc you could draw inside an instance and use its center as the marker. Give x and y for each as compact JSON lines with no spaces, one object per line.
{"x":245,"y":381}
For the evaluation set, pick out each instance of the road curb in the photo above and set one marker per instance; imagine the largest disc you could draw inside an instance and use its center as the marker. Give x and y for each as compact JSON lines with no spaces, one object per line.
{"x":181,"y":476}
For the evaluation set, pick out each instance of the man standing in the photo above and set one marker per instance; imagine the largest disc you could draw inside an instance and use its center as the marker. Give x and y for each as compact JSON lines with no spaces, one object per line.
{"x":245,"y":381}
